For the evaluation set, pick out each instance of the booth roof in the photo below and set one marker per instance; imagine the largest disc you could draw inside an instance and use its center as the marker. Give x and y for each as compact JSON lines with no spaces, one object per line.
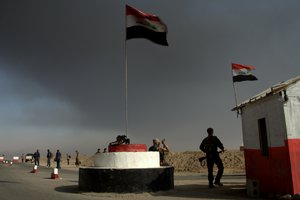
{"x":270,"y":91}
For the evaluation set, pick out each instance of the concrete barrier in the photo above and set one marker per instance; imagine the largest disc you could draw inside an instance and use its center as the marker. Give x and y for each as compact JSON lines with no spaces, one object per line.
{"x":34,"y":169}
{"x":54,"y":174}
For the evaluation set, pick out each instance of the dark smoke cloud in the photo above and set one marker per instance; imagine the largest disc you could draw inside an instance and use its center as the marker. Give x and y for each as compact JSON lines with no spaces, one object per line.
{"x":62,"y":67}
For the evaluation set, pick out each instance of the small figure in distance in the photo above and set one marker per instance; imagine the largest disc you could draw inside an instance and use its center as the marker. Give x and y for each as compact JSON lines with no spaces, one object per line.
{"x":49,"y":156}
{"x":36,"y":157}
{"x":98,"y":151}
{"x":156,"y":147}
{"x":77,"y":162}
{"x":57,"y":159}
{"x":105,"y":150}
{"x":210,"y":145}
{"x":68,"y":159}
{"x":22,"y":157}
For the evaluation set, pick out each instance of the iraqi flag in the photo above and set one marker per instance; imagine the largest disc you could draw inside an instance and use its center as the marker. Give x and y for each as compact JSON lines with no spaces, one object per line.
{"x":143,"y":25}
{"x":242,"y":72}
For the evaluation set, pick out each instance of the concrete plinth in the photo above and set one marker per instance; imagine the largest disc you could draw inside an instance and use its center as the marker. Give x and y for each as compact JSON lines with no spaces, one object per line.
{"x":95,"y":179}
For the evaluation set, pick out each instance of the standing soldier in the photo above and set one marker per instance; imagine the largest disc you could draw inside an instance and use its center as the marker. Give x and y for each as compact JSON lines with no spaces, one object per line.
{"x":162,"y":150}
{"x":210,"y":146}
{"x":36,"y":157}
{"x":68,"y":159}
{"x":49,"y":156}
{"x":77,"y":162}
{"x":57,"y":159}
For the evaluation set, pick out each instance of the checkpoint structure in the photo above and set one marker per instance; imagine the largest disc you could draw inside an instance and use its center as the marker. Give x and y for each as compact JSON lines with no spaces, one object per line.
{"x":271,"y":136}
{"x":126,"y":168}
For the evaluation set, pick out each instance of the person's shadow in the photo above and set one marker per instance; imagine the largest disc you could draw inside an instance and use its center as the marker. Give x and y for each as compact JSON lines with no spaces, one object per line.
{"x":232,"y":191}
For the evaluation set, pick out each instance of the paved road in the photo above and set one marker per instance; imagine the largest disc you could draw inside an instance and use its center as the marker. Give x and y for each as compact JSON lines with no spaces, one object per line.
{"x":16,"y":182}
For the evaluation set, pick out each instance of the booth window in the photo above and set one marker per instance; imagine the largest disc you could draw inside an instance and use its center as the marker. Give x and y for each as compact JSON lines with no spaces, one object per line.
{"x":263,"y":137}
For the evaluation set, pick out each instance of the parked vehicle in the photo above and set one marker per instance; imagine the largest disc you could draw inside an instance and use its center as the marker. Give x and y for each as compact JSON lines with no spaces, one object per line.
{"x":29,"y":157}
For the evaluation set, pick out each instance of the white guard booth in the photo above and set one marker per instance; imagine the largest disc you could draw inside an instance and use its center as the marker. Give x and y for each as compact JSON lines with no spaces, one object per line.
{"x":271,"y":136}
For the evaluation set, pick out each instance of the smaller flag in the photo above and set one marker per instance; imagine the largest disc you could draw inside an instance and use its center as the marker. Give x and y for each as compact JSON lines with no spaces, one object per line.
{"x":144,"y":25}
{"x":242,"y":72}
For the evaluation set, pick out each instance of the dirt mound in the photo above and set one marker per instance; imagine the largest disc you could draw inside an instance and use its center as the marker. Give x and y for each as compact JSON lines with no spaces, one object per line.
{"x":233,"y":161}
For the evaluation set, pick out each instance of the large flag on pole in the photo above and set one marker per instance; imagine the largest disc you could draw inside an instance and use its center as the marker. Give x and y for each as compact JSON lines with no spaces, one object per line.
{"x":242,"y":72}
{"x":143,"y":25}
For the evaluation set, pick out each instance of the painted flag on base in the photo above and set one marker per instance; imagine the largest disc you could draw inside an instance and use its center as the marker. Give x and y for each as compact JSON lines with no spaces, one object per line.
{"x":143,"y":25}
{"x":242,"y":72}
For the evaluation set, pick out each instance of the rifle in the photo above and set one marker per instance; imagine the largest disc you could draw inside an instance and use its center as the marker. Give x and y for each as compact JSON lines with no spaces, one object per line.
{"x":202,"y":159}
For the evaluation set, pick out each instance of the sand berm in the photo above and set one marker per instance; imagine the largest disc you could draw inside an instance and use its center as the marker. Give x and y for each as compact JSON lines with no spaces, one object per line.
{"x":187,"y":161}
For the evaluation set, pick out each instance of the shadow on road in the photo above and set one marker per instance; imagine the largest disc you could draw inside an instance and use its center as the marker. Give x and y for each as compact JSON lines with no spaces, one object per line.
{"x":9,"y":182}
{"x":202,"y":191}
{"x":68,"y":189}
{"x":187,"y":191}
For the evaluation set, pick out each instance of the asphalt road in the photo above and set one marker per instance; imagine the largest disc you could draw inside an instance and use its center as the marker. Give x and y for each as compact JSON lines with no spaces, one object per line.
{"x":17,"y":182}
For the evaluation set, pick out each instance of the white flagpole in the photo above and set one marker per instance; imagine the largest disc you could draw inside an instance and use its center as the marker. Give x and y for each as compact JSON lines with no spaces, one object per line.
{"x":236,"y":103}
{"x":235,"y":96}
{"x":126,"y":82}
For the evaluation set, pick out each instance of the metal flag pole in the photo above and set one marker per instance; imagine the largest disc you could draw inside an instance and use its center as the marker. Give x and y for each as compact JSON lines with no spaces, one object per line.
{"x":126,"y":93}
{"x":235,"y":96}
{"x":126,"y":82}
{"x":236,"y":104}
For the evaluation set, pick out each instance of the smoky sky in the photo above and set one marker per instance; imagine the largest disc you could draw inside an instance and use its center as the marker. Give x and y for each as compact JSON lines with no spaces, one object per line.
{"x":62,"y":70}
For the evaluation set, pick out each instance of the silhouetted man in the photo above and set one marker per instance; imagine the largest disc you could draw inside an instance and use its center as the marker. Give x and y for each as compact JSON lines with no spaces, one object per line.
{"x":210,"y":146}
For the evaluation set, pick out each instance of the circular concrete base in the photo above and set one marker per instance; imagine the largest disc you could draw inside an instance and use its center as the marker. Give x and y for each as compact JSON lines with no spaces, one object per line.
{"x":128,"y":160}
{"x":95,"y":179}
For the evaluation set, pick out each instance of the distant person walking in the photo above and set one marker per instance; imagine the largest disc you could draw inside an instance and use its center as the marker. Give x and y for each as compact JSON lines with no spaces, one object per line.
{"x":210,"y":145}
{"x":49,"y":157}
{"x":68,"y":159}
{"x":77,"y":162}
{"x":22,"y":157}
{"x":57,"y":159}
{"x":36,"y":157}
{"x":105,"y":150}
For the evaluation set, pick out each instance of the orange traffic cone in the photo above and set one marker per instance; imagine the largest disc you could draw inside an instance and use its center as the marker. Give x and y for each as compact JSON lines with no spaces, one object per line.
{"x":54,"y":174}
{"x":34,"y":170}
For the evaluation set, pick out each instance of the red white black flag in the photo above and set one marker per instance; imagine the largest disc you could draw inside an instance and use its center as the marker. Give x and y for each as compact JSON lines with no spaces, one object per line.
{"x":143,"y":25}
{"x":242,"y":73}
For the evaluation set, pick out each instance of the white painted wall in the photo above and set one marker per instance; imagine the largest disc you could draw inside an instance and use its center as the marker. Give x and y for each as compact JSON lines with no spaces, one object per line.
{"x":292,"y":111}
{"x":271,"y":108}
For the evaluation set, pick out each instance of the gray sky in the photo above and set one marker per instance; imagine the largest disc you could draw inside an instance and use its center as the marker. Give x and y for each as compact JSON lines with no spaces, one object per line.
{"x":62,"y":68}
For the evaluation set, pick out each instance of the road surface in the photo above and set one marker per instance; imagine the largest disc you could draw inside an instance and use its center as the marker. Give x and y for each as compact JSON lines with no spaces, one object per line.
{"x":18,"y":183}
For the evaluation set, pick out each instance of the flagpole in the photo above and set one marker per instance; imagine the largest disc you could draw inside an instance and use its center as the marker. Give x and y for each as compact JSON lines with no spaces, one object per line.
{"x":126,"y":92}
{"x":235,"y":96}
{"x":126,"y":79}
{"x":236,"y":103}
